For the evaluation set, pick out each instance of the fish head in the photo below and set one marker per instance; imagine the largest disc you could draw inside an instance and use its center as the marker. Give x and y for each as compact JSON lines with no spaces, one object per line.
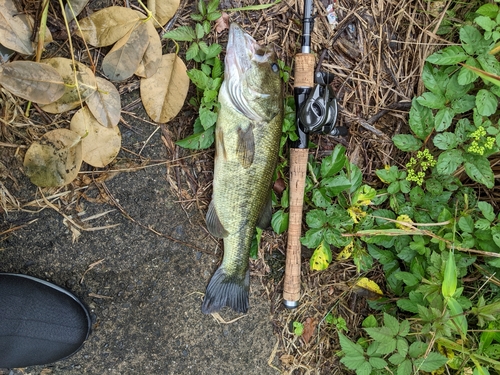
{"x":252,"y":76}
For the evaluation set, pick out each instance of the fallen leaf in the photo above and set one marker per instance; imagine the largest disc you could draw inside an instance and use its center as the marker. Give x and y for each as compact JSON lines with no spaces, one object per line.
{"x":54,"y":160}
{"x":222,"y":23}
{"x":108,"y":25}
{"x":321,"y":257}
{"x":165,"y":10}
{"x":164,"y":93}
{"x":100,"y":144}
{"x":346,"y":251}
{"x":76,"y":91}
{"x":74,"y":7}
{"x":152,"y":56}
{"x":309,"y":328}
{"x":126,"y":55}
{"x":33,"y":81}
{"x":105,"y":103}
{"x":368,"y":289}
{"x":15,"y":29}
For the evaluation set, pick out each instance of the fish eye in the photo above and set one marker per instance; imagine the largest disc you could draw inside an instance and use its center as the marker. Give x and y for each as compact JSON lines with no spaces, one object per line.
{"x":275,"y":67}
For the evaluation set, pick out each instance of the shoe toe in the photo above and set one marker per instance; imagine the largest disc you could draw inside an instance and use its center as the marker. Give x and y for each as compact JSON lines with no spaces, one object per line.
{"x":40,"y":323}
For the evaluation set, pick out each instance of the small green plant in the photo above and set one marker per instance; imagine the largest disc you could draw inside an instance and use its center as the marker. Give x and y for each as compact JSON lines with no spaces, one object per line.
{"x":337,"y":321}
{"x":298,"y":328}
{"x":207,"y":76}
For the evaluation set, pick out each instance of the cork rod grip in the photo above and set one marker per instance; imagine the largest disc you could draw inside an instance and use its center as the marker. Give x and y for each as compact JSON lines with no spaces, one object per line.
{"x":298,"y":170}
{"x":304,"y":70}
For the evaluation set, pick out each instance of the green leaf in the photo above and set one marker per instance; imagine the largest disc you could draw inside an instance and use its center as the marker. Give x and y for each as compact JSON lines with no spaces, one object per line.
{"x":369,"y":322}
{"x":181,"y":34}
{"x":334,"y":162}
{"x":406,"y":142}
{"x":214,"y":16}
{"x":316,"y":218}
{"x":417,"y":349}
{"x":445,"y":141}
{"x":200,"y":33}
{"x":212,"y":6}
{"x":218,"y":69}
{"x":466,"y":224}
{"x":434,"y":79}
{"x":203,"y":47}
{"x":448,"y":56}
{"x":198,"y":141}
{"x":486,"y":102}
{"x":472,"y":40}
{"x":199,"y":78}
{"x":421,"y":120}
{"x":396,"y":358}
{"x":449,"y":284}
{"x":279,"y":221}
{"x":312,"y":238}
{"x":392,"y":323}
{"x":377,"y":363}
{"x":485,"y":23}
{"x":385,"y":337}
{"x":405,"y":368}
{"x":321,"y":257}
{"x":478,"y":168}
{"x":320,"y":198}
{"x":487,"y":210}
{"x":336,"y":185}
{"x":432,"y":100}
{"x":387,"y":175}
{"x":467,"y":76}
{"x":353,"y":362}
{"x":213,"y":51}
{"x":202,"y":7}
{"x":298,"y":328}
{"x":488,"y":10}
{"x":432,"y":362}
{"x":443,"y":118}
{"x":455,"y":90}
{"x":349,"y":348}
{"x":207,"y":118}
{"x":449,"y":161}
{"x":463,"y":104}
{"x":407,"y":277}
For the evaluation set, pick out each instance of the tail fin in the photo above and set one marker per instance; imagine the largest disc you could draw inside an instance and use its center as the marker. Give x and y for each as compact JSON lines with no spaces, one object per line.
{"x":226,"y":290}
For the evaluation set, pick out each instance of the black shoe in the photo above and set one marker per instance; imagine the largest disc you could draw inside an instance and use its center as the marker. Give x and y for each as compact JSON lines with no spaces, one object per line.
{"x":40,"y":323}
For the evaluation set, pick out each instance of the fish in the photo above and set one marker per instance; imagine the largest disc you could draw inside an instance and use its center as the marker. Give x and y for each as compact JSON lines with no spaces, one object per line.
{"x":247,"y":139}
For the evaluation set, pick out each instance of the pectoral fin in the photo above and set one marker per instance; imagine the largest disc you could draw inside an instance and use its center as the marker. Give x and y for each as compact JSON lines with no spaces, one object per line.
{"x":266,"y":214}
{"x":246,"y":146}
{"x":214,"y":225}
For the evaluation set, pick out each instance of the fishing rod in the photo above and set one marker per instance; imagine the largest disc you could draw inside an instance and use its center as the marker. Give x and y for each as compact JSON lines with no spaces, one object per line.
{"x":316,"y":111}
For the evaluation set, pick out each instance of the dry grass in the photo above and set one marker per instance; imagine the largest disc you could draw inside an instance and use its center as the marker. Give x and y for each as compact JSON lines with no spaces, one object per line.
{"x":376,"y":53}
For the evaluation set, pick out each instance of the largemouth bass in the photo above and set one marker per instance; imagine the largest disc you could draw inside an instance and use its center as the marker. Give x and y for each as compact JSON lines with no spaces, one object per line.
{"x":247,"y":138}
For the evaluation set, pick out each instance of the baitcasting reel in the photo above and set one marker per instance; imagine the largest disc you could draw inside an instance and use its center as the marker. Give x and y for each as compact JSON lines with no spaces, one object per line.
{"x":318,"y":114}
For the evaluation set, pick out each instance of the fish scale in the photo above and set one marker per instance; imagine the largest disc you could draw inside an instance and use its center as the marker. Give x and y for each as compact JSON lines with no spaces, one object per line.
{"x":248,"y":133}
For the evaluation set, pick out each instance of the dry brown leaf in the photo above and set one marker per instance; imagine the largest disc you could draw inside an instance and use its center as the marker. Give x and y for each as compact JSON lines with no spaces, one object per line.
{"x":100,"y":144}
{"x":105,"y":103}
{"x":54,"y":160}
{"x":74,"y":94}
{"x":15,"y":29}
{"x":163,"y":94}
{"x":108,"y":25}
{"x":152,"y":57}
{"x":33,"y":81}
{"x":309,"y":328}
{"x":222,"y":23}
{"x":73,"y":8}
{"x":126,"y":55}
{"x":165,"y":10}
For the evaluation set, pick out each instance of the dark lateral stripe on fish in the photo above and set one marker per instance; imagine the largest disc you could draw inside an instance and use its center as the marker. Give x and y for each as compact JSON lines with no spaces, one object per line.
{"x":226,"y":290}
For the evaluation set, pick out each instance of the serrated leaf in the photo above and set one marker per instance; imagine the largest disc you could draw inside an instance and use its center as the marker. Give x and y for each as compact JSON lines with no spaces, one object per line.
{"x":383,"y":335}
{"x":55,"y":159}
{"x":321,"y":257}
{"x":105,"y":103}
{"x":488,"y":10}
{"x":405,"y":368}
{"x":487,"y":210}
{"x":472,"y":40}
{"x":75,"y":91}
{"x":350,"y":348}
{"x":100,"y":145}
{"x":432,"y":100}
{"x":198,"y":141}
{"x":163,"y":95}
{"x":181,"y":34}
{"x":152,"y":56}
{"x":449,"y":161}
{"x":443,"y":118}
{"x":353,"y":362}
{"x":431,"y":362}
{"x":108,"y":25}
{"x":417,"y":349}
{"x":479,"y":169}
{"x":445,"y":141}
{"x":126,"y":55}
{"x":396,"y":359}
{"x":377,"y":363}
{"x":407,"y":142}
{"x":15,"y":29}
{"x":448,"y":56}
{"x":164,"y":12}
{"x":486,"y":102}
{"x":33,"y":81}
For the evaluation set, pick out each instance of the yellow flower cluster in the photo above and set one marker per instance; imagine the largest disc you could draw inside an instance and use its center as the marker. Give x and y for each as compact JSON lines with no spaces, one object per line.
{"x":479,"y":145}
{"x":417,"y":167}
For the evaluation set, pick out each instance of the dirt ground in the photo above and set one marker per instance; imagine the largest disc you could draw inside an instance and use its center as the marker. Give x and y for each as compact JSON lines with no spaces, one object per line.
{"x":146,"y":292}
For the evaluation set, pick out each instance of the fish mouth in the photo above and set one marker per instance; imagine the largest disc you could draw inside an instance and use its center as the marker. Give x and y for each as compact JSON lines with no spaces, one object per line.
{"x":241,"y":50}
